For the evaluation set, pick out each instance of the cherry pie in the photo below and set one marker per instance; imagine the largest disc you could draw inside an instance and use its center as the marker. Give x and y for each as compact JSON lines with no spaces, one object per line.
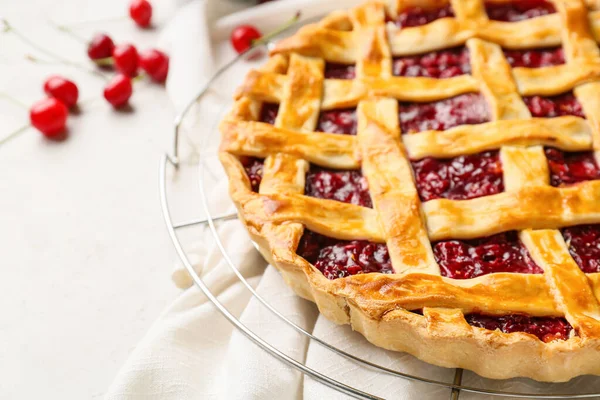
{"x":428,"y":171}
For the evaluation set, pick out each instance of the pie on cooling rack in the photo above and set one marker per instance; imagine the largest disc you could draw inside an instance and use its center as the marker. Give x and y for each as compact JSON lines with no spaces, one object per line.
{"x":428,"y":172}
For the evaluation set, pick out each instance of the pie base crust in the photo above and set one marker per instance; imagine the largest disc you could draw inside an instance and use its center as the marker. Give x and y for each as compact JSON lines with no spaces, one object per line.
{"x":437,"y":337}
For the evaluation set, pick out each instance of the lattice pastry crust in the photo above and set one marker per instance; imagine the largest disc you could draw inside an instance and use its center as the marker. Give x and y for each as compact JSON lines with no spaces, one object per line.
{"x":377,"y":304}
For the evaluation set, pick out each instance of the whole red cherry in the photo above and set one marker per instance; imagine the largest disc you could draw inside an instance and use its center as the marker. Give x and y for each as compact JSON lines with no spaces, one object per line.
{"x":242,"y":37}
{"x":49,"y":116}
{"x":125,"y":57}
{"x":141,"y":12}
{"x":155,"y":63}
{"x":62,"y":89}
{"x":118,"y":90}
{"x":101,"y":46}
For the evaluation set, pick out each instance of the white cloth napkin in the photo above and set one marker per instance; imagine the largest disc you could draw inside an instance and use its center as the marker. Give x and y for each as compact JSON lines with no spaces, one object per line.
{"x":192,"y":352}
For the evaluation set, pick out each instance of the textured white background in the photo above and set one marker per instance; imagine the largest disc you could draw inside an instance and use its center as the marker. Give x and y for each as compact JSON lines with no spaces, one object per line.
{"x":84,"y":257}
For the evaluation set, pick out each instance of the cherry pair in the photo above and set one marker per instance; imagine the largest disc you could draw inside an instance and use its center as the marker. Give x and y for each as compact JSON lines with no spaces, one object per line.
{"x":49,"y":115}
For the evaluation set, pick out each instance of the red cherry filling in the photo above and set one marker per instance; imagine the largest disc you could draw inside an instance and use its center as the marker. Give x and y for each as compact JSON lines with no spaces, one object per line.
{"x":584,"y":246}
{"x":340,"y":258}
{"x":339,"y":71}
{"x":555,"y":106}
{"x":459,"y":178}
{"x":268,"y":113}
{"x":254,"y":170}
{"x":437,"y":64}
{"x":535,"y":58}
{"x":346,"y":186}
{"x":569,"y":168}
{"x":469,"y":108}
{"x":546,"y":329}
{"x":466,"y":259}
{"x":416,"y":16}
{"x":338,"y":121}
{"x":518,"y":10}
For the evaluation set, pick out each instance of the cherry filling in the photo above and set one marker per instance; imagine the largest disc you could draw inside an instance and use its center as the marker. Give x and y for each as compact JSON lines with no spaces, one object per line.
{"x":459,"y":178}
{"x":469,"y":108}
{"x":253,"y":165}
{"x":546,"y":329}
{"x":254,"y":170}
{"x":518,"y":10}
{"x":340,"y":258}
{"x":555,"y":106}
{"x":569,"y":168}
{"x":339,"y":71}
{"x":437,"y":64}
{"x":346,"y":186}
{"x":466,"y":259}
{"x":268,"y":113}
{"x":584,"y":246}
{"x":535,"y":58}
{"x":338,"y":121}
{"x":416,"y":16}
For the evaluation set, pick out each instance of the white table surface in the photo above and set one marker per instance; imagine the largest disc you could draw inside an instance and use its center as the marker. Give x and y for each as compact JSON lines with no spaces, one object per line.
{"x":85,"y":259}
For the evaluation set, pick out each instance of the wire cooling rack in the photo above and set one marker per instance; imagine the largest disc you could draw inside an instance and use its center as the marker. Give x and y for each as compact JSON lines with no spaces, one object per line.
{"x":201,"y":116}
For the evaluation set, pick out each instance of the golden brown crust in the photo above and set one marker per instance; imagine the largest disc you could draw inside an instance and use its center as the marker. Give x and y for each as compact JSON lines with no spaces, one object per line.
{"x":565,"y":133}
{"x":484,"y":216}
{"x":379,"y":305}
{"x":395,"y":198}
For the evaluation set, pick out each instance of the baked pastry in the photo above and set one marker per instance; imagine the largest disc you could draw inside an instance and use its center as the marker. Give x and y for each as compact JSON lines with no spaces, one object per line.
{"x":428,"y":172}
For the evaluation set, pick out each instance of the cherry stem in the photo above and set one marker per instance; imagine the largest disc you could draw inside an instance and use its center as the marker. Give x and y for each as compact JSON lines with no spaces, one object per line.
{"x":101,"y":62}
{"x":14,"y":134}
{"x":34,"y":59}
{"x":10,"y":29}
{"x":91,"y":21}
{"x":264,"y":39}
{"x":138,"y":78}
{"x":65,"y":29}
{"x":7,"y":28}
{"x":14,"y":100}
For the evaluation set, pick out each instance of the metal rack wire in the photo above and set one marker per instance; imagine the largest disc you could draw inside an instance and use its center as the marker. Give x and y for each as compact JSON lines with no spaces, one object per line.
{"x":171,"y":161}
